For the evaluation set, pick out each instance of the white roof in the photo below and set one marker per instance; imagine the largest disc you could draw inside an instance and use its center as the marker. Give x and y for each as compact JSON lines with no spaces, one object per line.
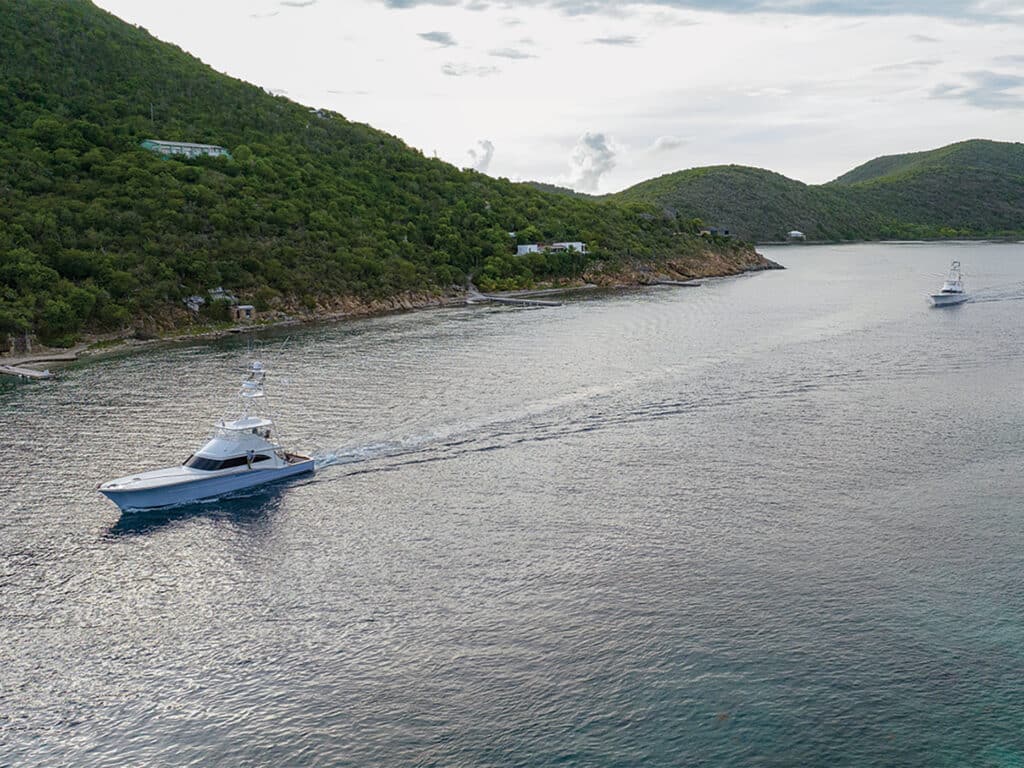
{"x":245,"y":423}
{"x":191,"y":144}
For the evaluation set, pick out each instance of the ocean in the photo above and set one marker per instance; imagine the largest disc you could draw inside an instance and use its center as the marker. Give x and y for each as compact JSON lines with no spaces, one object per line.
{"x":775,"y":520}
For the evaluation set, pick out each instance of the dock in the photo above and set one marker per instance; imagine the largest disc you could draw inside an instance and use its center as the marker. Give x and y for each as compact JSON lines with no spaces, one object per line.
{"x":25,"y":373}
{"x":680,"y":283}
{"x":483,"y":297}
{"x":17,"y":366}
{"x":473,"y":296}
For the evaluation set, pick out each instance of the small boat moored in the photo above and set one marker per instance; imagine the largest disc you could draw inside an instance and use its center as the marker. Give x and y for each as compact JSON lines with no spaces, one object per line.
{"x":241,"y":454}
{"x":952,"y":290}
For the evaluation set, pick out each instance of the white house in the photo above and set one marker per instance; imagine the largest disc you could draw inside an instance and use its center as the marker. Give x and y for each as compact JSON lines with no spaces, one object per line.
{"x":795,"y":234}
{"x":575,"y":245}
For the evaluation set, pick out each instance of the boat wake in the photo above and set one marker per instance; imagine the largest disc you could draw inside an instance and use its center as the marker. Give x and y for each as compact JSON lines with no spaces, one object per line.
{"x":1013,"y":292}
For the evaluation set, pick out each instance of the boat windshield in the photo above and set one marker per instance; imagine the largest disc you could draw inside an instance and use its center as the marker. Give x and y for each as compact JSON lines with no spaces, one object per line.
{"x":211,"y":465}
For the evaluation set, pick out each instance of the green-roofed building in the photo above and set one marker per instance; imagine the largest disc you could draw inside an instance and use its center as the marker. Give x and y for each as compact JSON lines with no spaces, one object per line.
{"x":186,"y":148}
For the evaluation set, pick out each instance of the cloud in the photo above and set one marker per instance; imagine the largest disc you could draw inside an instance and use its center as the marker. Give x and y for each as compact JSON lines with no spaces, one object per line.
{"x":413,"y":3}
{"x":591,"y":158}
{"x":950,"y":9}
{"x":443,"y":39}
{"x":298,"y":3}
{"x":511,"y":53}
{"x":924,"y":39}
{"x":615,"y":40}
{"x":905,"y":65}
{"x":1010,"y":59}
{"x":463,"y":70}
{"x":264,"y":15}
{"x":480,"y":155}
{"x":668,"y":143}
{"x":986,"y":90}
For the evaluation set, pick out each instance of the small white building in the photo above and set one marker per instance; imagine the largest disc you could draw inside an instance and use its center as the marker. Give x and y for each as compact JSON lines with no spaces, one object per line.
{"x":795,"y":234}
{"x":575,"y":245}
{"x":244,"y":313}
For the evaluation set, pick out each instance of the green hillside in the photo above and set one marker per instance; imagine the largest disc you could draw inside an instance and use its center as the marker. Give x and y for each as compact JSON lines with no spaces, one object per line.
{"x":971,"y":189}
{"x":97,"y":233}
{"x":755,"y":203}
{"x":978,"y":155}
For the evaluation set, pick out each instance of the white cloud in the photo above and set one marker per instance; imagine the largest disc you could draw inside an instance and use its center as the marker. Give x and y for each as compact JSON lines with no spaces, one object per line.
{"x":591,"y":158}
{"x":463,"y":70}
{"x":668,"y":143}
{"x":480,"y":155}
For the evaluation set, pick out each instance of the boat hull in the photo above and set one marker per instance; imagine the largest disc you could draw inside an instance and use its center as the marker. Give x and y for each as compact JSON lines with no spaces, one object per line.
{"x":199,"y":490}
{"x":947,"y":299}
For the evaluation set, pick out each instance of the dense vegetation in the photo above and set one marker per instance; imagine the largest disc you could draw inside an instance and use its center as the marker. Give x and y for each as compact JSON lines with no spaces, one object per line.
{"x":97,"y":233}
{"x":969,"y":189}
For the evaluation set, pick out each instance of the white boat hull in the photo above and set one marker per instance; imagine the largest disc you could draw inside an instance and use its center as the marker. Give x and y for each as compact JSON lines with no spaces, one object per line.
{"x":201,"y":489}
{"x":947,"y":299}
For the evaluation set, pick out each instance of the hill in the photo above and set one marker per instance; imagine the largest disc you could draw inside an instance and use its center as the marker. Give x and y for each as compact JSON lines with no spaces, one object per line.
{"x":545,"y":187}
{"x":310,"y":209}
{"x":973,"y":189}
{"x":977,"y":154}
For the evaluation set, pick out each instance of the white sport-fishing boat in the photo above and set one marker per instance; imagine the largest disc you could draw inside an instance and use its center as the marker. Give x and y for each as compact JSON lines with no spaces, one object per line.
{"x":240,"y":454}
{"x":952,"y":290}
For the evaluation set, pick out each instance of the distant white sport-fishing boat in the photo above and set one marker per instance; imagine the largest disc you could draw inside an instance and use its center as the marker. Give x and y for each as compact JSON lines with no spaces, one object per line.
{"x":241,"y":454}
{"x":952,"y":290}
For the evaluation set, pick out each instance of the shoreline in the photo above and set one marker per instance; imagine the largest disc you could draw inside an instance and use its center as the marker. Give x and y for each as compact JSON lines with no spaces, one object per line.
{"x":103,"y":345}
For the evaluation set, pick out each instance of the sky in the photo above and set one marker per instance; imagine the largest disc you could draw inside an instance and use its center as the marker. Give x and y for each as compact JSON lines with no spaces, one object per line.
{"x":599,"y":95}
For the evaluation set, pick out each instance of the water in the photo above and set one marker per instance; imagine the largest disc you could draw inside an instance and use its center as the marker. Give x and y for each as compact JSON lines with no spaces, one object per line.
{"x":773,"y":521}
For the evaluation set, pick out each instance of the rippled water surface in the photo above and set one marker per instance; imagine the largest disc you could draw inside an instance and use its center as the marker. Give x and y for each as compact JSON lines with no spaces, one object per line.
{"x":772,"y":521}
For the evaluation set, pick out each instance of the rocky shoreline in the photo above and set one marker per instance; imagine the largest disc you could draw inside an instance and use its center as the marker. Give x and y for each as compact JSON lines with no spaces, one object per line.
{"x":634,"y":275}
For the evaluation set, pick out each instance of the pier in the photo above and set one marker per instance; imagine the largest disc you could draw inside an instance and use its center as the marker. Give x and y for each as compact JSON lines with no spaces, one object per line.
{"x":483,"y":297}
{"x":25,"y":373}
{"x":680,"y":283}
{"x":473,"y":296}
{"x":17,"y":366}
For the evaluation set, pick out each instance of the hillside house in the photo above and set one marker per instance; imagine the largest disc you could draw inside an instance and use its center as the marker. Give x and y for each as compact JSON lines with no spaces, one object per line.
{"x":194,"y":303}
{"x":219,"y":294}
{"x":576,"y":245}
{"x":243,"y":313}
{"x":796,"y":234}
{"x":185,"y":148}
